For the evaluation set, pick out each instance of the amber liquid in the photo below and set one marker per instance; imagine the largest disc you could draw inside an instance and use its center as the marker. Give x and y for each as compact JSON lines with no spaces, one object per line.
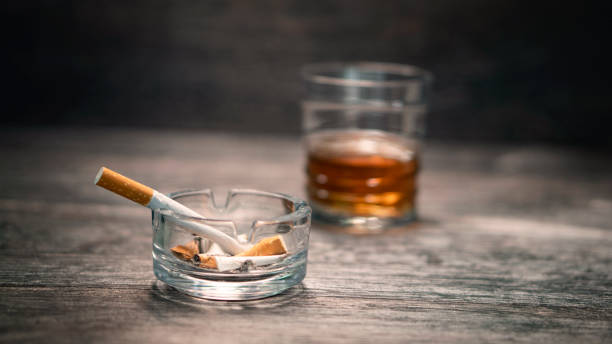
{"x":362,"y":173}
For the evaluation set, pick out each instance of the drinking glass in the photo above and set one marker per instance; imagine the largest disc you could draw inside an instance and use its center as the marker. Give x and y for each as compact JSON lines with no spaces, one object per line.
{"x":363,"y":123}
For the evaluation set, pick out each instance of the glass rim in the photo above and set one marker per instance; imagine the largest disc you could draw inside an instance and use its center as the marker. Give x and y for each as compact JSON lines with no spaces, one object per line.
{"x":312,"y":73}
{"x":301,"y":207}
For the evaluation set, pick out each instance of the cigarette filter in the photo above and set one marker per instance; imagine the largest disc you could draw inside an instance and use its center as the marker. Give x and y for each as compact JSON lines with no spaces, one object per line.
{"x":187,"y":251}
{"x":266,"y":247}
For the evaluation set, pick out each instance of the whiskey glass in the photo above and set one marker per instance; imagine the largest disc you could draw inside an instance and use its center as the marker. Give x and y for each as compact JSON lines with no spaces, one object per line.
{"x":363,"y":123}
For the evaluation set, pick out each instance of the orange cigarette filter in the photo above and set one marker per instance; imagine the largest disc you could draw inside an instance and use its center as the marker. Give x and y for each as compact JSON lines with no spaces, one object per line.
{"x":187,"y":251}
{"x":124,"y":186}
{"x":207,"y":261}
{"x":266,"y":247}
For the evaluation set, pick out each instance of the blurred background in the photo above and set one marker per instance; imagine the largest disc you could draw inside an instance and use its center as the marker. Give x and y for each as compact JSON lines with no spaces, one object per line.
{"x":506,"y":71}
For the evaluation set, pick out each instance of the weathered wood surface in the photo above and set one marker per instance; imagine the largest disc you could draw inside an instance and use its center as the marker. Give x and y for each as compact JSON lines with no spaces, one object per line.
{"x":515,"y":244}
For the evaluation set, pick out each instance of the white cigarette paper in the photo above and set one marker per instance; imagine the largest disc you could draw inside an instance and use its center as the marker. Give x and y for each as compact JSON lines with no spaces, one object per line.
{"x":161,"y":201}
{"x":223,"y":263}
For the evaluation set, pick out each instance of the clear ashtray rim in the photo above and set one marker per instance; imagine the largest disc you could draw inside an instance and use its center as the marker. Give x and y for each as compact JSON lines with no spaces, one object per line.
{"x":301,"y":208}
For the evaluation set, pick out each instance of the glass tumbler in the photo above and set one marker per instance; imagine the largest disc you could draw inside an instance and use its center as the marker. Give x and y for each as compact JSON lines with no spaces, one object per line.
{"x":245,"y":215}
{"x":362,"y":124}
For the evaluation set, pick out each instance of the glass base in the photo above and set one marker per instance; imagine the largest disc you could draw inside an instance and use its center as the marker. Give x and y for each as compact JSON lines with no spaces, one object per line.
{"x":359,"y":224}
{"x":230,"y":286}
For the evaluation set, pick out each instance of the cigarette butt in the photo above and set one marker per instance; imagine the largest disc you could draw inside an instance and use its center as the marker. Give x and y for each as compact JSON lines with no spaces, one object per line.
{"x":266,"y":247}
{"x":187,"y":251}
{"x":124,"y":186}
{"x":205,"y":261}
{"x":224,"y":263}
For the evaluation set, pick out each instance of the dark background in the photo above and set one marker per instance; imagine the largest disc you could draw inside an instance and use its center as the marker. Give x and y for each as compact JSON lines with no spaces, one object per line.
{"x":526,"y":71}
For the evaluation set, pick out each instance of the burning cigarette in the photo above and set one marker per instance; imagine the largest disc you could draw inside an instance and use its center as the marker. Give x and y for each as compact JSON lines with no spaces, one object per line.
{"x":153,"y":199}
{"x":266,"y":247}
{"x":223,"y":263}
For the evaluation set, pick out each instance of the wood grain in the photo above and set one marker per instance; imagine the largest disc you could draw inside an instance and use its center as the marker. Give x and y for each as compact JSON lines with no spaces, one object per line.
{"x":513,"y":245}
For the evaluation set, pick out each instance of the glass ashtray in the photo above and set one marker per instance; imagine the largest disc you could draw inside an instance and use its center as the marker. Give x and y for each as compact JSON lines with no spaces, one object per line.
{"x":197,"y":266}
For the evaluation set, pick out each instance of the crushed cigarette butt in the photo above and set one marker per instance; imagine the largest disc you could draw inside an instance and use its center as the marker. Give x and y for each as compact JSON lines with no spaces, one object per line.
{"x":187,"y":251}
{"x":266,"y":247}
{"x":205,"y":261}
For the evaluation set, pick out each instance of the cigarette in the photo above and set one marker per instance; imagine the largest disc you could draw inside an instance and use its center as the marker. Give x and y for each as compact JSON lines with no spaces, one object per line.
{"x":155,"y":200}
{"x":266,"y":247}
{"x":223,"y":263}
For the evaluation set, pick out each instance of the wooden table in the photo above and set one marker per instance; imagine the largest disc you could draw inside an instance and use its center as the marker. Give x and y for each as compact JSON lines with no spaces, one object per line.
{"x":515,"y":244}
